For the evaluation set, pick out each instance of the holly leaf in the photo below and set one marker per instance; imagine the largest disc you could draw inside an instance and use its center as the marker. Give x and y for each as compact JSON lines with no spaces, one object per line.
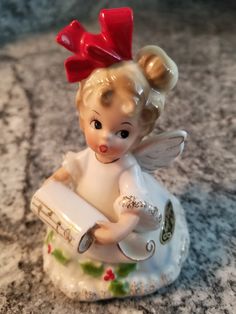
{"x":123,"y":270}
{"x":60,"y":257}
{"x":92,"y":269}
{"x":49,"y":237}
{"x":119,"y":288}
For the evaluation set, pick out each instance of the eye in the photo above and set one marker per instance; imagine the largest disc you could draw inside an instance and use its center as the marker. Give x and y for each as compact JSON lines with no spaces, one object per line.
{"x":96,"y":124}
{"x":123,"y":133}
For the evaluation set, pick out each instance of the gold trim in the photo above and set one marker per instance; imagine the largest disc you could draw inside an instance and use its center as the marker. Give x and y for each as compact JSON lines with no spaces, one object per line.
{"x":131,"y":202}
{"x":150,"y":247}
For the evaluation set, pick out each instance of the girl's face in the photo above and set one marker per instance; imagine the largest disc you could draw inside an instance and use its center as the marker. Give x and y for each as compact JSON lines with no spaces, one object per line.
{"x":109,"y":132}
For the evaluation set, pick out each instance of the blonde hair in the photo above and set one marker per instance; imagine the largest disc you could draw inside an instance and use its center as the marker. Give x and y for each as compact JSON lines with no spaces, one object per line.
{"x":143,"y":84}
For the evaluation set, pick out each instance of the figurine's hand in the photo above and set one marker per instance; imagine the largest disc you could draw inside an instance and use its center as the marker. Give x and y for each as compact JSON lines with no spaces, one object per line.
{"x":48,"y":180}
{"x":109,"y":232}
{"x":60,"y":175}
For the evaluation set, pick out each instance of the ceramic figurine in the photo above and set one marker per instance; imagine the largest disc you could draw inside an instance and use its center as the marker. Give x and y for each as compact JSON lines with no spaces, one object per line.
{"x":113,"y":230}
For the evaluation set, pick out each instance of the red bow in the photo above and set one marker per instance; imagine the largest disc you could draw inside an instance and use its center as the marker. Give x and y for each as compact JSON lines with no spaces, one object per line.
{"x":92,"y":51}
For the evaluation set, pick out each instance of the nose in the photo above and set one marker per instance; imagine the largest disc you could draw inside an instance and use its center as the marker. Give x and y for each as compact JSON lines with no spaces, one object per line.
{"x":107,"y":137}
{"x":105,"y":142}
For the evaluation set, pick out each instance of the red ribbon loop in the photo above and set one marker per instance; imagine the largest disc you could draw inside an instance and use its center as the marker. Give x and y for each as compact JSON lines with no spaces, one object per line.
{"x":92,"y":51}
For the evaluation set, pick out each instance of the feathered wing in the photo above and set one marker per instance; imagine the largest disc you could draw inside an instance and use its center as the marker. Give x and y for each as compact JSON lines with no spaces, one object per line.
{"x":159,"y":151}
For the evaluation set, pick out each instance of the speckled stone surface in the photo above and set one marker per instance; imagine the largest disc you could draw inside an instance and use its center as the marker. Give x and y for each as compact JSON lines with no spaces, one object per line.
{"x":38,"y":125}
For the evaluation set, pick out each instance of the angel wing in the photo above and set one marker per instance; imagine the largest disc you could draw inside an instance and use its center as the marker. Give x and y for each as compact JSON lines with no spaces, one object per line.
{"x":159,"y":151}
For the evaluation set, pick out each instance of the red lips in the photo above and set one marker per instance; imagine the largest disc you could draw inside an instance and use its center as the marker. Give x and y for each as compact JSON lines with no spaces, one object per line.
{"x":103,"y":148}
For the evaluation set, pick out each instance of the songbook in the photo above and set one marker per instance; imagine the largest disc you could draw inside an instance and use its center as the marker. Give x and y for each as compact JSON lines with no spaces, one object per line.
{"x":74,"y":220}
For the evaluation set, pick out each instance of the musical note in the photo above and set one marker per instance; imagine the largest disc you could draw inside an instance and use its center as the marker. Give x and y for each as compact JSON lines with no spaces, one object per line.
{"x":39,"y":209}
{"x":67,"y":235}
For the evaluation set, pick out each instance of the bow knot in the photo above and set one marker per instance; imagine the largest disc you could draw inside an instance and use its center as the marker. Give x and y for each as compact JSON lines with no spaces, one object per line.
{"x":92,"y":51}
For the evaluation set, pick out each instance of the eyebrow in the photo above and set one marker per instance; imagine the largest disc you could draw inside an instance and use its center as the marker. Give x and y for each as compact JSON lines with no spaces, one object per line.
{"x":127,"y":123}
{"x":96,"y":112}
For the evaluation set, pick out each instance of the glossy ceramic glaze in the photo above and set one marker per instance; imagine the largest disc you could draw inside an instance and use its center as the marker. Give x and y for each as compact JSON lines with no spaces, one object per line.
{"x":113,"y":230}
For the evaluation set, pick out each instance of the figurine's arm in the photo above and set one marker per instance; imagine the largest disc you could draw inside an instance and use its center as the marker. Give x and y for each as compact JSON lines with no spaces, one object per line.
{"x":135,"y":198}
{"x":133,"y":208}
{"x":70,"y":171}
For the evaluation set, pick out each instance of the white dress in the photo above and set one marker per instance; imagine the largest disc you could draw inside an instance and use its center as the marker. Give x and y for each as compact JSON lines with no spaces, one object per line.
{"x":104,"y":276}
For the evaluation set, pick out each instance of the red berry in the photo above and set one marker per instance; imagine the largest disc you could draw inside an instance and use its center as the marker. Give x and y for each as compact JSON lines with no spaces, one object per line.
{"x":49,"y":248}
{"x":106,"y":278}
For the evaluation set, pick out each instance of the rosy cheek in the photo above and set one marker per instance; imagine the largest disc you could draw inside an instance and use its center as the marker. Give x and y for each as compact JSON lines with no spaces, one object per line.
{"x":90,"y":139}
{"x":120,"y":147}
{"x":116,"y":150}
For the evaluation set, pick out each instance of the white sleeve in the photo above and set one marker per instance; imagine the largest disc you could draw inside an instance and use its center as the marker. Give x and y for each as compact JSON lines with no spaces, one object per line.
{"x":134,"y":196}
{"x":131,"y":182}
{"x":73,"y":164}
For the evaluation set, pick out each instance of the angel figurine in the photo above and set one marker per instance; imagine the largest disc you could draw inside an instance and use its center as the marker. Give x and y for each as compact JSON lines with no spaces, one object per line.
{"x":113,"y":230}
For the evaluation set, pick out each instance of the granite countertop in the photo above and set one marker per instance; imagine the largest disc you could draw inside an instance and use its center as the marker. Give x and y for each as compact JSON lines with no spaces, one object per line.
{"x":38,"y":125}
